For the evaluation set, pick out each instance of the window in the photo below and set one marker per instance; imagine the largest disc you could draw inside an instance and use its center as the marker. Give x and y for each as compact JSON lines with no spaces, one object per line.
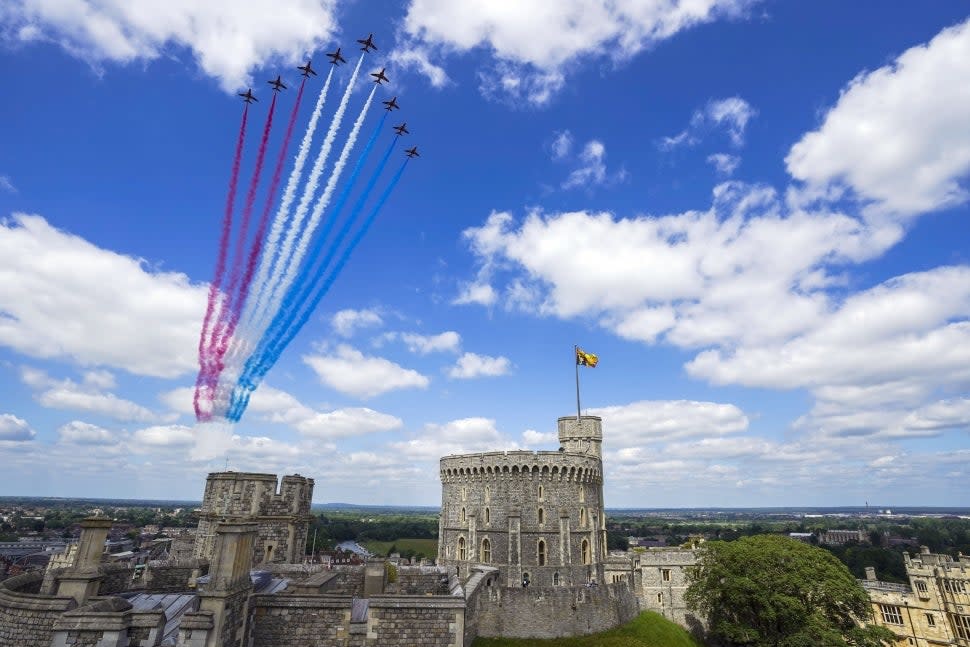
{"x":582,"y":494}
{"x":555,"y":578}
{"x":488,"y":494}
{"x":921,"y":586}
{"x":486,"y":550}
{"x":962,"y":626}
{"x":461,"y":517}
{"x":954,"y":586}
{"x":585,"y":552}
{"x":540,"y":493}
{"x":660,"y":599}
{"x":930,"y":620}
{"x":488,"y":516}
{"x":541,"y":552}
{"x":891,"y":614}
{"x":665,"y":574}
{"x":542,"y":516}
{"x":464,"y":493}
{"x":582,"y":517}
{"x":462,"y":555}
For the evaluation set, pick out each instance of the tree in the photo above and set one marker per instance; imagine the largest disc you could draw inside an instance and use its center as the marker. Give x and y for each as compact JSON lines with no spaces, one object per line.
{"x":772,"y":591}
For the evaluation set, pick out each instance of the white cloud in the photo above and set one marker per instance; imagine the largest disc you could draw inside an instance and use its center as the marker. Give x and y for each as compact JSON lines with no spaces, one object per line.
{"x":83,"y":433}
{"x":87,"y":396}
{"x":346,"y":322}
{"x":472,"y":365}
{"x":562,"y":145}
{"x":147,"y":324}
{"x":592,"y":169}
{"x":731,"y":114}
{"x":476,"y":292}
{"x":6,"y":184}
{"x":227,"y":40}
{"x":419,"y":58}
{"x":634,"y":424}
{"x":448,"y":341}
{"x":347,"y":423}
{"x":529,"y":62}
{"x":15,"y":429}
{"x":898,"y":136}
{"x":532,"y":437}
{"x":455,"y":437}
{"x":161,"y":436}
{"x":724,"y":163}
{"x":350,"y":371}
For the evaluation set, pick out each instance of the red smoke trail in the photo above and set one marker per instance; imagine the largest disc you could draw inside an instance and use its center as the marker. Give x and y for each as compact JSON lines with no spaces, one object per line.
{"x":260,"y":233}
{"x":220,"y":263}
{"x":228,"y":312}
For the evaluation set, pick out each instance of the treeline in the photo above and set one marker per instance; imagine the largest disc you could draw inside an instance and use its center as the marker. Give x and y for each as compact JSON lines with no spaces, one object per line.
{"x":330,"y":530}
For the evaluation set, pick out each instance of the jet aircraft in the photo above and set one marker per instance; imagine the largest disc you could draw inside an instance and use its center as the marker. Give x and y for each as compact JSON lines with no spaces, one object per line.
{"x":412,"y":152}
{"x":391,"y":105}
{"x":402,"y":129}
{"x":306,"y":70}
{"x":248,"y":96}
{"x":379,"y":77}
{"x":277,"y":84}
{"x":367,"y":43}
{"x":336,"y":58}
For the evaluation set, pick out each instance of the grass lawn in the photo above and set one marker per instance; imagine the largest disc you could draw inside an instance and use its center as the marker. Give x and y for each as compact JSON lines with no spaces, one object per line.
{"x":428,"y":547}
{"x":649,"y":629}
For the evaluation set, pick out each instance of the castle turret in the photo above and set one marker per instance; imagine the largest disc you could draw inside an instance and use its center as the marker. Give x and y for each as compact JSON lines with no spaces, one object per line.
{"x":582,"y":435}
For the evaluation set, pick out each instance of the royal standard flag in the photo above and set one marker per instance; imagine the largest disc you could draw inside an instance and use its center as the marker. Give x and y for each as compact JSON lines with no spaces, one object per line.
{"x":586,"y":359}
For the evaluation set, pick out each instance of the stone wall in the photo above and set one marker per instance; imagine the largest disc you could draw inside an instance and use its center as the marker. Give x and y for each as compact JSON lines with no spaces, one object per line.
{"x":408,"y":621}
{"x":551,"y":612}
{"x":26,"y":617}
{"x":312,"y":620}
{"x":115,"y":578}
{"x":419,"y":580}
{"x":663,"y":582}
{"x":345,"y":582}
{"x":165,"y":577}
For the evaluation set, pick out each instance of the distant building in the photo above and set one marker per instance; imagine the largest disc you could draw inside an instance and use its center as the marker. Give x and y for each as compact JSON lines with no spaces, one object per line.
{"x":933,"y":609}
{"x":801,"y":536}
{"x":842,"y":537}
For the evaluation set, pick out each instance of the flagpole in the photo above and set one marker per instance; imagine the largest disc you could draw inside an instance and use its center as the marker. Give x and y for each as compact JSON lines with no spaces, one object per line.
{"x":576,"y":361}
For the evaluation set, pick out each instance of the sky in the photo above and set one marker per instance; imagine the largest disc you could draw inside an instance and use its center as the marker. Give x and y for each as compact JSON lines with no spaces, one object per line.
{"x":754,"y":212}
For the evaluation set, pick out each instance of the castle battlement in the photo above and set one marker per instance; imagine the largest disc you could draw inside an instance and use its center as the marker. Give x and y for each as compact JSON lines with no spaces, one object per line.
{"x":565,"y":466}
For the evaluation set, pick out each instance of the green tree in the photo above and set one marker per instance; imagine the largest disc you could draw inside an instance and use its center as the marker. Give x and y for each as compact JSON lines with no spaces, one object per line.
{"x":772,"y":591}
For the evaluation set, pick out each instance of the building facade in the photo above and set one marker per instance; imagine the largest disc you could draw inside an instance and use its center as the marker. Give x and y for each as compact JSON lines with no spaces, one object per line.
{"x":537,"y":517}
{"x":281,"y":513}
{"x":933,"y":609}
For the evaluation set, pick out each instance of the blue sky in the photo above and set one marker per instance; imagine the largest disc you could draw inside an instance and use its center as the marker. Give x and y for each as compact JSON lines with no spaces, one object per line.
{"x":755,"y":213}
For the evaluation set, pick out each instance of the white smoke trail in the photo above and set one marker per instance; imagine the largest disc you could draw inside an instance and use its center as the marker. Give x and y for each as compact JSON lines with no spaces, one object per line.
{"x":288,"y":263}
{"x":242,"y":342}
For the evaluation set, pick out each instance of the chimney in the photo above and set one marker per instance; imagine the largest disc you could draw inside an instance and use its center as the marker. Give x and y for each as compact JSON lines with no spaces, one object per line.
{"x":870,"y":573}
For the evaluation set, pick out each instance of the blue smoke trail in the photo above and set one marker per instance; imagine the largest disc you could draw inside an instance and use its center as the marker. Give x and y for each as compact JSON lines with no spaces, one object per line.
{"x":299,"y":289}
{"x":338,"y":267}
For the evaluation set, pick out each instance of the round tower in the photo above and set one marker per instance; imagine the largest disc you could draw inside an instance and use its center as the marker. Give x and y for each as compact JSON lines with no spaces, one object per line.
{"x":582,"y":435}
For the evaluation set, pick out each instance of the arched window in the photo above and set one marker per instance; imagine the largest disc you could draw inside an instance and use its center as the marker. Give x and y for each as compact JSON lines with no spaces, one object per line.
{"x":464,"y":493}
{"x":555,"y":578}
{"x":462,"y":517}
{"x":582,"y":517}
{"x":462,"y":553}
{"x":582,"y":494}
{"x":542,"y":516}
{"x":585,"y":552}
{"x":540,"y":493}
{"x":488,"y":516}
{"x":541,"y":551}
{"x":486,"y":551}
{"x":488,"y":494}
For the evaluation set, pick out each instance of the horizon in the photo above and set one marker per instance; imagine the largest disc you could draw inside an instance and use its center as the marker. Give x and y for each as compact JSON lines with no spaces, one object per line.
{"x":756,"y":214}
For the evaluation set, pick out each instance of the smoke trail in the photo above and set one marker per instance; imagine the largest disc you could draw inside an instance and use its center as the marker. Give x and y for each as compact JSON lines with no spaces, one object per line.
{"x":267,"y":271}
{"x":231,"y":307}
{"x":239,"y":408}
{"x":216,"y":284}
{"x":285,"y":285}
{"x":257,"y":242}
{"x":290,"y":262}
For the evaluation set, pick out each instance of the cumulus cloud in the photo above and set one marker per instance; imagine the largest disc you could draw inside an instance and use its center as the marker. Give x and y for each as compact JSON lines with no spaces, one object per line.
{"x":15,"y":429}
{"x":592,"y":168}
{"x":83,"y":433}
{"x":417,"y":57}
{"x":460,"y":436}
{"x":476,"y":292}
{"x":48,"y":277}
{"x":164,"y":436}
{"x":349,"y":371}
{"x":562,"y":145}
{"x":472,"y":365}
{"x":88,"y":396}
{"x":346,"y":322}
{"x":731,"y":114}
{"x":529,"y":63}
{"x":227,"y":40}
{"x":724,"y":164}
{"x":448,"y":341}
{"x":346,"y":423}
{"x":898,"y":136}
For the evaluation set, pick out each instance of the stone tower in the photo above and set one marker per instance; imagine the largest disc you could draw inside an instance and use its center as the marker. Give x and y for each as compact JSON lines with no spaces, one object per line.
{"x":281,"y":514}
{"x":536,"y":516}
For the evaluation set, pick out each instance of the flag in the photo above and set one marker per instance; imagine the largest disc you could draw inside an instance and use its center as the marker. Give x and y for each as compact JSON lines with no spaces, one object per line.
{"x":586,"y":359}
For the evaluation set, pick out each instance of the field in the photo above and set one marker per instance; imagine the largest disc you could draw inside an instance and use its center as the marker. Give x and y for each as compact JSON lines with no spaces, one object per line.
{"x":649,"y":629}
{"x":426,"y":547}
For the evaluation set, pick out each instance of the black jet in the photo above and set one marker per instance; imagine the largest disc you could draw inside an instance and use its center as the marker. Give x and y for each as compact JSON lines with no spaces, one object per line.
{"x":367,"y":43}
{"x":412,"y":152}
{"x":379,"y":77}
{"x":391,"y":105}
{"x":402,"y":129}
{"x":248,"y":96}
{"x":336,"y":58}
{"x":277,"y":84}
{"x":306,"y":70}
